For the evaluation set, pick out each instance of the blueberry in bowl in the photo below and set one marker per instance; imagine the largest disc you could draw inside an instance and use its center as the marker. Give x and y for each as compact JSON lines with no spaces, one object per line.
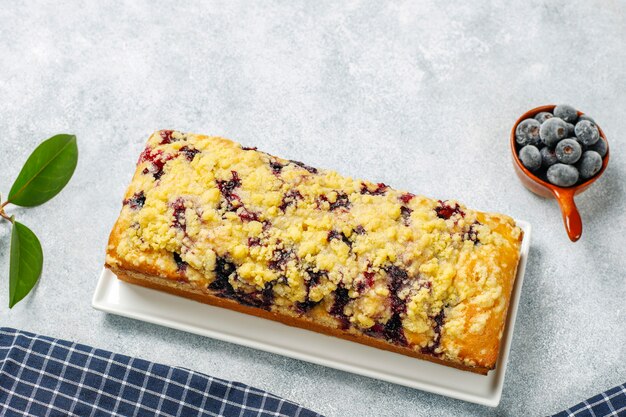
{"x":552,"y":131}
{"x":548,"y":157}
{"x":566,"y":113}
{"x":573,"y":152}
{"x":543,"y":116}
{"x":568,"y":151}
{"x":527,"y":132}
{"x":586,"y":132}
{"x":562,"y":175}
{"x":600,"y":146}
{"x":530,"y":157}
{"x":589,"y":165}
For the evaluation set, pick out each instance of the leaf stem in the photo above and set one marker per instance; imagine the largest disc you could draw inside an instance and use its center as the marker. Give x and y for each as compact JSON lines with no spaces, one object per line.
{"x":3,"y":214}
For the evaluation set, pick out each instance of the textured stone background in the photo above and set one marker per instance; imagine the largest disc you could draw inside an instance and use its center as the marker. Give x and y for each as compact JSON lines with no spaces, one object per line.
{"x":421,"y":97}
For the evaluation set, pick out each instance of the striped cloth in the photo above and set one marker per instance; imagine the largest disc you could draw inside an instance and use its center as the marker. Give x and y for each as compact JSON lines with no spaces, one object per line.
{"x":607,"y":404}
{"x":42,"y":376}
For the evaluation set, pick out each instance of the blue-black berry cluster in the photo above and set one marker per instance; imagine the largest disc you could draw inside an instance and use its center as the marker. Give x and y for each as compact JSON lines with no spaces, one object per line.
{"x":561,"y":147}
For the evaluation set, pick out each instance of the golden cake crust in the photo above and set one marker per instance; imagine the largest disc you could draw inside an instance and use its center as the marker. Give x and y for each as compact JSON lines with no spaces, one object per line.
{"x":312,"y":249}
{"x":203,"y":296}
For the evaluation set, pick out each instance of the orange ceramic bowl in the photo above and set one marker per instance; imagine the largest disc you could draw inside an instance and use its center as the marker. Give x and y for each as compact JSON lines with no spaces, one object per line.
{"x":563,"y":195}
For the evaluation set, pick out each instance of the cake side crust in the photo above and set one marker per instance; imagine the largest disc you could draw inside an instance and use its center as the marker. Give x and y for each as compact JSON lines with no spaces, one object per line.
{"x":189,"y":291}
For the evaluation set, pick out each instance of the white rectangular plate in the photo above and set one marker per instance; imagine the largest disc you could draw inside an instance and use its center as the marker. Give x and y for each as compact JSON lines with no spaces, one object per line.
{"x":117,"y":297}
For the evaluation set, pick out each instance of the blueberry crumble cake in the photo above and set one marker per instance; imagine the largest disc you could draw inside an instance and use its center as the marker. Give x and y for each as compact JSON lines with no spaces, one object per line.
{"x":209,"y":219}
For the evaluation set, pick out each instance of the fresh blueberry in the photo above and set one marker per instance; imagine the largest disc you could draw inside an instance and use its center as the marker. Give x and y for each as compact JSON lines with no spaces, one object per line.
{"x":566,"y":112}
{"x":589,"y":164}
{"x":530,"y":157}
{"x":568,"y":151}
{"x":548,"y":157}
{"x":527,"y":132}
{"x":588,"y":118}
{"x":552,"y":131}
{"x":570,"y":129}
{"x":600,"y":147}
{"x":562,"y":175}
{"x":586,"y":132}
{"x":543,"y":116}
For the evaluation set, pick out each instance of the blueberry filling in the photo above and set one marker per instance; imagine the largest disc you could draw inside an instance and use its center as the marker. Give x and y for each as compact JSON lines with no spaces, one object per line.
{"x":227,"y":190}
{"x":280,"y":257}
{"x":314,"y":279}
{"x":157,"y":162}
{"x":405,"y":214}
{"x":227,"y":187}
{"x":306,"y":305}
{"x":223,"y":271}
{"x":276,"y":166}
{"x":375,"y":331}
{"x":438,"y":319}
{"x":341,"y":201}
{"x":359,"y":230}
{"x":398,"y":277}
{"x":189,"y":153}
{"x":445,"y":210}
{"x":267,"y":294}
{"x":406,"y":197}
{"x":179,"y":214}
{"x":290,"y":197}
{"x":381,"y":189}
{"x":393,"y":330}
{"x":472,"y":233}
{"x":261,"y":299}
{"x":254,"y":241}
{"x":425,"y":284}
{"x":367,"y":282}
{"x":137,"y":201}
{"x":247,"y":215}
{"x":342,"y":298}
{"x":249,"y":148}
{"x":305,"y":166}
{"x":166,"y":136}
{"x":333,"y":234}
{"x":369,"y":278}
{"x":180,"y":264}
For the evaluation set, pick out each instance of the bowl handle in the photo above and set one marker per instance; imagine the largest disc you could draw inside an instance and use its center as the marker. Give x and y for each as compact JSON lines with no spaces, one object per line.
{"x":571,"y":217}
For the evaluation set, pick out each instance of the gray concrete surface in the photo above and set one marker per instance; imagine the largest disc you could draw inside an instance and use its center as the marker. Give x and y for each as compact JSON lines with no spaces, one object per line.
{"x":421,"y":96}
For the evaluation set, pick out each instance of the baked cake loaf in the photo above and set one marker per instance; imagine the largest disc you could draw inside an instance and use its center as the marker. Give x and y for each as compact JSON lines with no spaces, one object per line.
{"x":231,"y":226}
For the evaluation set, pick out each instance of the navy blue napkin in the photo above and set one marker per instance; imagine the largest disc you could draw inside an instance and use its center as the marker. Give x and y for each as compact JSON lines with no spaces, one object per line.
{"x":611,"y":403}
{"x":42,"y":376}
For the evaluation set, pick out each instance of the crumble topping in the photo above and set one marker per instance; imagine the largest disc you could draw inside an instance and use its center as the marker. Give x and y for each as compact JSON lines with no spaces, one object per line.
{"x":281,"y":235}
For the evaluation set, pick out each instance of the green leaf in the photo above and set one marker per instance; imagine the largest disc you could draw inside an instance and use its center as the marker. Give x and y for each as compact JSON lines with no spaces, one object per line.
{"x":26,"y":262}
{"x":46,"y":171}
